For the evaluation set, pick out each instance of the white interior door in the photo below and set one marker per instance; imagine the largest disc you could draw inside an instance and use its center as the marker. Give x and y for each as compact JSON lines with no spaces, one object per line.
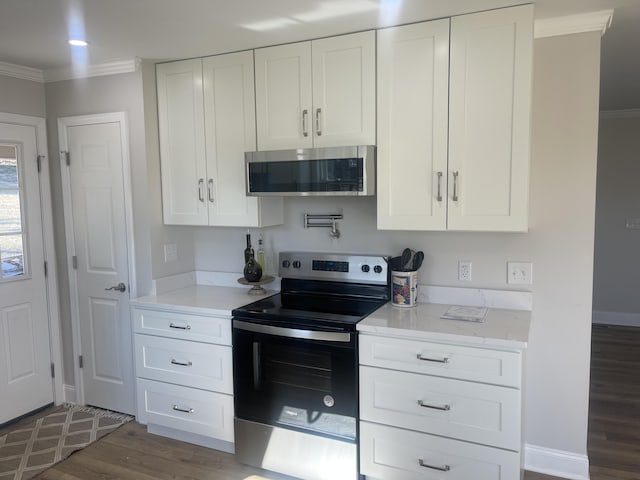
{"x":25,"y":354}
{"x":96,"y":214}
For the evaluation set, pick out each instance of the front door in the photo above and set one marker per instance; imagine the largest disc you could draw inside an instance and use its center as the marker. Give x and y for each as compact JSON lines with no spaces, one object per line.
{"x":25,"y":354}
{"x":96,"y":151}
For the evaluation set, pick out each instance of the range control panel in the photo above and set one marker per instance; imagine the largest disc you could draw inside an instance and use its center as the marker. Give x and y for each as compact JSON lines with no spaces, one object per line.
{"x":343,"y":267}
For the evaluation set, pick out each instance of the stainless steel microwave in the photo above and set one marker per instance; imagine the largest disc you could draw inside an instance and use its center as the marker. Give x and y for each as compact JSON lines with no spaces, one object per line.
{"x":330,"y":171}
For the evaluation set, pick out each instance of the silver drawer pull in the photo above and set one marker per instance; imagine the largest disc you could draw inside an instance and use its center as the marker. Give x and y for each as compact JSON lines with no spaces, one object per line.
{"x":183,"y":410}
{"x":182,"y":364}
{"x":428,"y":359}
{"x":441,"y":468}
{"x":180,"y":327}
{"x":435,"y":407}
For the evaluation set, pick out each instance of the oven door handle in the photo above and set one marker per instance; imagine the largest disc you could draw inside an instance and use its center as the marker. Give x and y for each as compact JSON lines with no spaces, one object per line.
{"x":344,"y":337}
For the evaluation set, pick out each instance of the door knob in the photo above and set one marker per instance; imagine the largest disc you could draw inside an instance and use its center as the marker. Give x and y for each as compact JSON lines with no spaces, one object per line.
{"x":121,"y":287}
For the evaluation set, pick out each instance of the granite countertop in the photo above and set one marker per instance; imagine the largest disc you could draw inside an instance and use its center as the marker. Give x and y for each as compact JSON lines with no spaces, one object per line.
{"x":200,"y":299}
{"x":501,"y":328}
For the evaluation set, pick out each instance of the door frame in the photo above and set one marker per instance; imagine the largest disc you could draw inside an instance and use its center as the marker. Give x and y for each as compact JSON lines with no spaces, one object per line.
{"x":78,"y":120}
{"x":51,"y":278}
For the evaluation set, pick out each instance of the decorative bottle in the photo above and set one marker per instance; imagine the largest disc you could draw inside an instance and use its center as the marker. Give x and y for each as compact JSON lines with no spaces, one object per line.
{"x":248,"y":252}
{"x":260,"y":255}
{"x":252,"y":269}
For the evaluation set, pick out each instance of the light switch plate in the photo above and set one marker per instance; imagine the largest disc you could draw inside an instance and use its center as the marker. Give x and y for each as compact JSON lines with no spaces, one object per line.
{"x":170,"y":252}
{"x":520,"y":273}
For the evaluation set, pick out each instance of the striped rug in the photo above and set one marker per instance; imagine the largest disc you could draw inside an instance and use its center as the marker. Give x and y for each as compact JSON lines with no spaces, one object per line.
{"x":30,"y":449}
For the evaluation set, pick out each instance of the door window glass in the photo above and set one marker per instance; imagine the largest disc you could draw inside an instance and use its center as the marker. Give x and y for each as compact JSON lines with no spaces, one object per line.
{"x":12,"y":239}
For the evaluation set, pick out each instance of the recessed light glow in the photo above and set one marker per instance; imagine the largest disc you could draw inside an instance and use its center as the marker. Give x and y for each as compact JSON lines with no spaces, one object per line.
{"x":78,"y":43}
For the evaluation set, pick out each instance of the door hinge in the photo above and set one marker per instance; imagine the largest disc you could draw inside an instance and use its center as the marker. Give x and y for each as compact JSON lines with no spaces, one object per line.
{"x":39,"y":159}
{"x":53,"y":371}
{"x":67,"y":157}
{"x":74,"y":262}
{"x":80,"y":361}
{"x":46,"y":271}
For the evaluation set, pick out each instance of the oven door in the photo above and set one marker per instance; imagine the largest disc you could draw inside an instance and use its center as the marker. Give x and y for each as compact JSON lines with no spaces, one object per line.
{"x":302,"y":380}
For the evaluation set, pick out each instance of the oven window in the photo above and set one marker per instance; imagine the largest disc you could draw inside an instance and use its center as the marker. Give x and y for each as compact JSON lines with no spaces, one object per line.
{"x":299,"y":384}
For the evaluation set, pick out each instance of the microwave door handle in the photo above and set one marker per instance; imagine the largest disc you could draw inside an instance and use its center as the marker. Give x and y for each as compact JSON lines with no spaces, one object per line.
{"x":344,"y":337}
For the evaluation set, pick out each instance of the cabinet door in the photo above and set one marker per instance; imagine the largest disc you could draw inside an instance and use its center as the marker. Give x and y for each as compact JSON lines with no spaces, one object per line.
{"x":413,"y":63}
{"x":344,"y":90}
{"x":283,"y":96}
{"x":182,"y":144}
{"x":489,"y":119}
{"x":229,"y":106}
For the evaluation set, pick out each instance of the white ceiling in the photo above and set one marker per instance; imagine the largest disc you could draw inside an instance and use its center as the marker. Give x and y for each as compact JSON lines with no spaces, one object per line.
{"x":33,"y":33}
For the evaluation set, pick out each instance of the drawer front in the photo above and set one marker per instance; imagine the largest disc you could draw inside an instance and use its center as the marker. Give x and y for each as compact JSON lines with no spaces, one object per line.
{"x":199,"y":328}
{"x":474,"y":412}
{"x":466,"y":363}
{"x":388,"y":453}
{"x":188,"y":409}
{"x":192,"y":364}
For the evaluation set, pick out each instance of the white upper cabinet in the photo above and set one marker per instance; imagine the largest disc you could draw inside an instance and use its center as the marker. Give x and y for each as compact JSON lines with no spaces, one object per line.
{"x":206,"y":110}
{"x":489,"y":119}
{"x":462,"y":165}
{"x":318,"y":93}
{"x":413,"y":85}
{"x":229,"y":108}
{"x":182,"y":145}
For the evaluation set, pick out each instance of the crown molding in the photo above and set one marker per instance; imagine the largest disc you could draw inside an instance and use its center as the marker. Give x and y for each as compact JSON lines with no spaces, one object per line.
{"x":598,"y":21}
{"x":629,"y":113}
{"x":108,"y":68}
{"x":19,"y":71}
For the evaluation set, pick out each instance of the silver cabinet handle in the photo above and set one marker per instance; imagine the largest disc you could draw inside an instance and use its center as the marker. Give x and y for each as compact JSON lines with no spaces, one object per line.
{"x":439,"y":195}
{"x":121,"y":287}
{"x":435,"y":407}
{"x":179,"y":327}
{"x":200,"y":185}
{"x":454,"y":197}
{"x":431,"y":359}
{"x":441,"y":468}
{"x":183,"y":410}
{"x":318,"y":129}
{"x":182,"y":364}
{"x":305,"y":115}
{"x":210,"y":189}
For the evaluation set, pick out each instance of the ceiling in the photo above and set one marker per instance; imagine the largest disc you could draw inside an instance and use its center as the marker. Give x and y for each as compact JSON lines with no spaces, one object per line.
{"x":33,"y":33}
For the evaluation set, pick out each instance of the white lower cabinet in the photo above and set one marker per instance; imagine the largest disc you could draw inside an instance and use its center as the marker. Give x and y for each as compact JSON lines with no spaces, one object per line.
{"x":433,"y":410}
{"x":185,"y":376}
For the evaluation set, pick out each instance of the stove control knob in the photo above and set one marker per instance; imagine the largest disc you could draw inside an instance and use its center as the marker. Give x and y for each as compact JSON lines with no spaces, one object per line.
{"x":286,"y":264}
{"x":365,"y":268}
{"x":296,"y":264}
{"x":377,"y":269}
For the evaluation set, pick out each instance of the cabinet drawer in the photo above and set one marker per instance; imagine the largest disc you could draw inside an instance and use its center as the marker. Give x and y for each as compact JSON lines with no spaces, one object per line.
{"x":469,"y":411}
{"x":184,"y":326}
{"x":388,"y":453}
{"x":454,"y":361}
{"x":188,"y":409}
{"x":198,"y":365}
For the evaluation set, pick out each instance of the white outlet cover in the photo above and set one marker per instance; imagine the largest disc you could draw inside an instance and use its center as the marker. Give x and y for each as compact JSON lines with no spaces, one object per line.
{"x":464,"y":271}
{"x":170,"y":252}
{"x":520,"y":273}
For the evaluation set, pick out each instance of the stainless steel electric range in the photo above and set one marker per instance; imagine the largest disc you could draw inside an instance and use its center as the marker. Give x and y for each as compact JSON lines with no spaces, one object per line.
{"x":295,"y":365}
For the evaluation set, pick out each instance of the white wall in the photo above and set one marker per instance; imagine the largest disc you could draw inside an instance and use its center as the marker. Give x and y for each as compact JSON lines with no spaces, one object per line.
{"x":617,"y":263}
{"x":559,"y":243}
{"x":23,"y":97}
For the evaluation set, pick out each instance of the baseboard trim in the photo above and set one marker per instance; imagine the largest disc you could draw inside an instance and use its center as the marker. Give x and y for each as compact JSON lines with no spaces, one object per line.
{"x":557,"y":463}
{"x":624,"y":319}
{"x":70,"y":393}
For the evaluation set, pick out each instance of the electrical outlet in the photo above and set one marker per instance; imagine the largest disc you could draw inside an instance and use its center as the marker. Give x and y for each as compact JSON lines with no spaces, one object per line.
{"x":520,"y":273}
{"x":464,"y":271}
{"x":170,"y":252}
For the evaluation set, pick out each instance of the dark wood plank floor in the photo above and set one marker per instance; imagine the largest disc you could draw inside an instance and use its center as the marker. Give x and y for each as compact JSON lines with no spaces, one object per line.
{"x":613,"y":441}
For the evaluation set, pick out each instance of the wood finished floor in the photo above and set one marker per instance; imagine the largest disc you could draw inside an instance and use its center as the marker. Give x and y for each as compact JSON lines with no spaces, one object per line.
{"x":613,"y":441}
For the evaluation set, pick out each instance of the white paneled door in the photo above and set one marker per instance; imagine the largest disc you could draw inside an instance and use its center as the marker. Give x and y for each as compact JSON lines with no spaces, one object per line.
{"x":95,"y":149}
{"x":25,"y":354}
